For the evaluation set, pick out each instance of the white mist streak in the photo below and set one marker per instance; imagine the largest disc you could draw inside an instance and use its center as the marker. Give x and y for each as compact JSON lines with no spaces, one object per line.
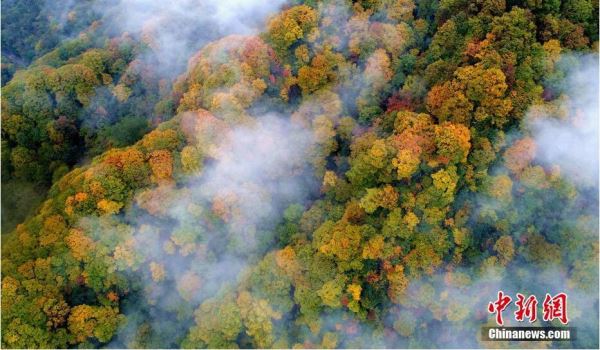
{"x":176,"y":29}
{"x":572,"y":143}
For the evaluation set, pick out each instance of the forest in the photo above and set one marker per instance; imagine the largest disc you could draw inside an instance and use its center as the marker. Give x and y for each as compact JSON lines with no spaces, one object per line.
{"x":296,"y":174}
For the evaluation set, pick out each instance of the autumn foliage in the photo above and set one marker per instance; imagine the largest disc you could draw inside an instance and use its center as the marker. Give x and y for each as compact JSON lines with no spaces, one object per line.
{"x":421,"y":184}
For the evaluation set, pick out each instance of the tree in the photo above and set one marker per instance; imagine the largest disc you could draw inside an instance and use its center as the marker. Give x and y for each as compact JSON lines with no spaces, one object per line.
{"x":406,"y":163}
{"x":505,"y":248}
{"x":406,"y":323}
{"x":514,"y":32}
{"x":79,"y":244}
{"x":257,"y":316}
{"x":161,"y":164}
{"x":291,"y":25}
{"x":501,"y":188}
{"x":519,"y":155}
{"x":158,"y":139}
{"x":75,"y":79}
{"x":400,"y":10}
{"x":397,"y":283}
{"x":373,"y":250}
{"x":320,"y":72}
{"x":540,"y":251}
{"x":218,"y":322}
{"x":191,"y":160}
{"x":88,"y":322}
{"x":331,"y":292}
{"x":452,"y":142}
{"x":385,"y":197}
{"x":476,"y":94}
{"x":578,"y":11}
{"x":341,"y":240}
{"x":188,"y":284}
{"x":376,"y":76}
{"x":157,"y":271}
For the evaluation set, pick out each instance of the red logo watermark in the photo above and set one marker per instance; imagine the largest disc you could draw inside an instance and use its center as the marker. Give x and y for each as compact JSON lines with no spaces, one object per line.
{"x":553,"y":307}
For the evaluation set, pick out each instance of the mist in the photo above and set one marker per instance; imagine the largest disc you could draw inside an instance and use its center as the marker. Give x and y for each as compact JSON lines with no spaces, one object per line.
{"x":255,"y":172}
{"x":565,"y":132}
{"x":568,"y":137}
{"x":176,"y":30}
{"x":200,"y":230}
{"x":449,"y":307}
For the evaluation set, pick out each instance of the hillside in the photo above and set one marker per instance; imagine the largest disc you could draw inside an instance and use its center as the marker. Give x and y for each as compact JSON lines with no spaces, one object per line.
{"x":351,"y":174}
